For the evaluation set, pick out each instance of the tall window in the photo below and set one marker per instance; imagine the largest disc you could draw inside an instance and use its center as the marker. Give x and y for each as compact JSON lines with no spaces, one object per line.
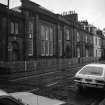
{"x":51,"y":42}
{"x":30,"y":38}
{"x":87,"y":52}
{"x":78,"y":52}
{"x":96,"y":40}
{"x":67,"y":34}
{"x":46,"y":40}
{"x":100,"y":43}
{"x":96,"y":52}
{"x":91,"y":40}
{"x":78,"y":37}
{"x":86,"y":38}
{"x":60,"y":42}
{"x":43,"y":40}
{"x":14,"y":28}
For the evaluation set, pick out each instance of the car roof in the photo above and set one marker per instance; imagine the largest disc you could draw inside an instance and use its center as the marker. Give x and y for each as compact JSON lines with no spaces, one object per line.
{"x":3,"y":93}
{"x":33,"y":99}
{"x":96,"y":65}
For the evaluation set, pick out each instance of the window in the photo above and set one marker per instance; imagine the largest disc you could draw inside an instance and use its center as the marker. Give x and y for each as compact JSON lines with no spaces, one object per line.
{"x":51,"y":41}
{"x":67,"y":34}
{"x":60,"y":42}
{"x":84,"y":27}
{"x":42,"y":32}
{"x":100,"y":42}
{"x":30,"y":47}
{"x":46,"y":35}
{"x":51,"y":34}
{"x":96,"y":53}
{"x":91,"y":40}
{"x":92,"y":70}
{"x":51,"y":48}
{"x":86,"y":39}
{"x":87,"y":53}
{"x":16,"y":28}
{"x":29,"y":35}
{"x":43,"y":48}
{"x":30,"y":29}
{"x":30,"y":38}
{"x":78,"y":37}
{"x":47,"y":41}
{"x":96,"y":40}
{"x":47,"y":48}
{"x":43,"y":36}
{"x":12,"y":27}
{"x":78,"y":52}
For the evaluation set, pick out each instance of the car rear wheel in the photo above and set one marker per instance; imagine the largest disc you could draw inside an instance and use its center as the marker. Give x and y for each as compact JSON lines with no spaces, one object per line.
{"x":81,"y":89}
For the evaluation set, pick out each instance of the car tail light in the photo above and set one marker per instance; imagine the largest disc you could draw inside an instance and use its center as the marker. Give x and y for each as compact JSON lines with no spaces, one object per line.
{"x":88,"y":80}
{"x":100,"y":81}
{"x":77,"y":78}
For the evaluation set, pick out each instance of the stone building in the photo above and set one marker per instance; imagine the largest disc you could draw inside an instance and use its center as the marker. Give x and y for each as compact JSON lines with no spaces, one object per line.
{"x":32,"y":32}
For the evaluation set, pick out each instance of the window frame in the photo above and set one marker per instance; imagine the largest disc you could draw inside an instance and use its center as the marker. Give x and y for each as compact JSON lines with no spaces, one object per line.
{"x":47,"y":37}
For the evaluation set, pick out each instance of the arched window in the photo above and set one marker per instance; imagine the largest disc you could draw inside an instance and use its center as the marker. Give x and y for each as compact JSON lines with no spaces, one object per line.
{"x":46,"y":37}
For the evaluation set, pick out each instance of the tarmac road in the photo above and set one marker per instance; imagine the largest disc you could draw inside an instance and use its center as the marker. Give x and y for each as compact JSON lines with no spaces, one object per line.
{"x":61,"y":90}
{"x":57,"y":85}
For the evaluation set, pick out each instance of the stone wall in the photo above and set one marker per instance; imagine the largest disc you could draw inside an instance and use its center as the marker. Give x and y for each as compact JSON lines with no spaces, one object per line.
{"x":32,"y":67}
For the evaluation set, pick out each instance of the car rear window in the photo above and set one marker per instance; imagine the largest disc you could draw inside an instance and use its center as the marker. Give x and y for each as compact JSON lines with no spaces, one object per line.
{"x":92,"y":70}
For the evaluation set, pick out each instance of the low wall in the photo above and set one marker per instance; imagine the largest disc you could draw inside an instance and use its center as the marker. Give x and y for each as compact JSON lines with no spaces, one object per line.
{"x":41,"y":65}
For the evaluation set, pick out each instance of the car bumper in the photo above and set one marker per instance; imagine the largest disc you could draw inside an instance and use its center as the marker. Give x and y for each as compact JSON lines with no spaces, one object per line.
{"x":90,"y":85}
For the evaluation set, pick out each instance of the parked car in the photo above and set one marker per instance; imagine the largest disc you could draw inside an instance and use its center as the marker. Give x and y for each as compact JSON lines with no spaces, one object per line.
{"x":26,"y":98}
{"x":6,"y":99}
{"x":33,"y":99}
{"x":91,"y":75}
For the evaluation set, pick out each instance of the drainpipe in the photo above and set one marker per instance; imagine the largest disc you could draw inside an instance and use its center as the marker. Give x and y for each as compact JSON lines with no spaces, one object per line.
{"x":7,"y":30}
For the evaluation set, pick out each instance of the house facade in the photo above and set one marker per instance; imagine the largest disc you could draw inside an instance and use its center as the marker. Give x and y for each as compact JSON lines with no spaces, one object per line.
{"x":31,"y":32}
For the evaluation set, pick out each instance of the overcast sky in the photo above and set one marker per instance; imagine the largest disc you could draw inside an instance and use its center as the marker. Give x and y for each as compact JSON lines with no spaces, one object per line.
{"x":91,"y":10}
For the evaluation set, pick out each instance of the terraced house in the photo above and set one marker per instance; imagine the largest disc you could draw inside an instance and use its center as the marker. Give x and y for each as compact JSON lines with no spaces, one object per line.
{"x":37,"y":38}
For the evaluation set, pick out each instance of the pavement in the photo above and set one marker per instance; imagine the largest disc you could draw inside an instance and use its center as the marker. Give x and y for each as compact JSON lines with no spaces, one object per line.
{"x":15,"y":86}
